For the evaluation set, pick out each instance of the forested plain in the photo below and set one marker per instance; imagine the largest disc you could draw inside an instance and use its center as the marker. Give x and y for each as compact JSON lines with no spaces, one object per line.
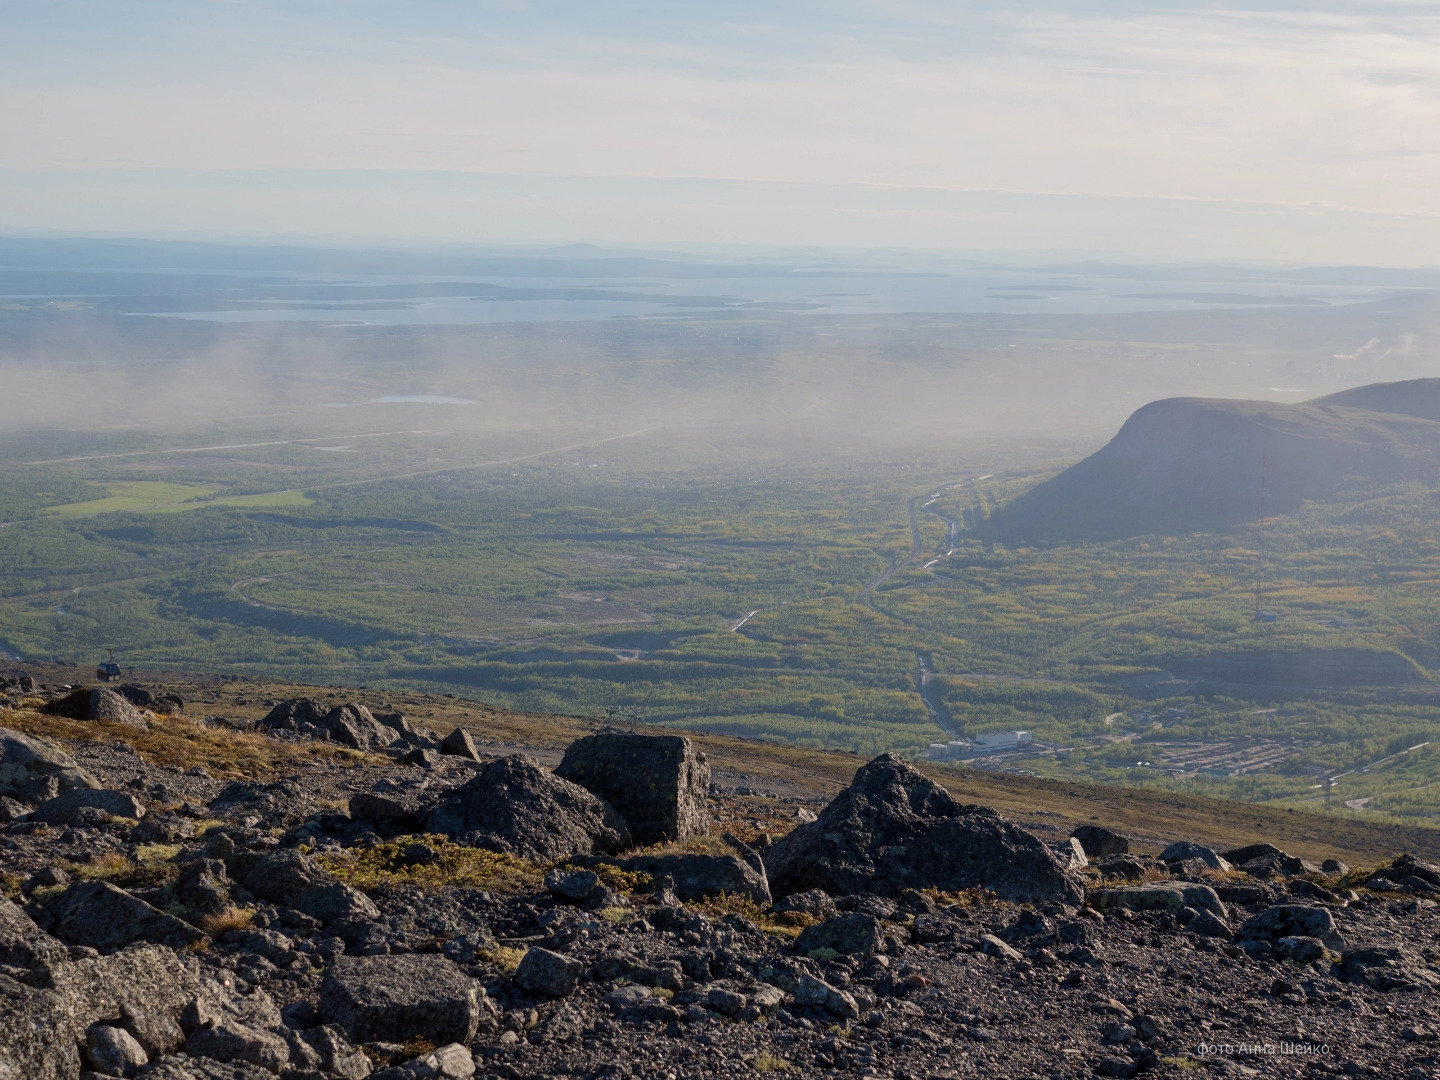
{"x":564,"y":537}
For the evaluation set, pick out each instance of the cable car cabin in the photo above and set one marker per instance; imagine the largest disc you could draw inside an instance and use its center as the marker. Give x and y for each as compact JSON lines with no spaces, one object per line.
{"x":107,"y":670}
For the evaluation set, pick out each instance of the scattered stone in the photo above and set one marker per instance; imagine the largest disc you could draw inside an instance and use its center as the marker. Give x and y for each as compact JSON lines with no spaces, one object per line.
{"x":813,"y":902}
{"x":1288,"y":920}
{"x":658,"y":783}
{"x":514,"y":806}
{"x":855,"y":934}
{"x":100,"y":703}
{"x":571,"y":885}
{"x":544,"y":972}
{"x":399,"y":998}
{"x":282,"y":877}
{"x":459,"y":744}
{"x":812,"y":991}
{"x":97,"y":914}
{"x":1386,"y":968}
{"x":1184,"y":850}
{"x":699,"y":876}
{"x":34,"y":769}
{"x":392,"y":813}
{"x":1099,"y":842}
{"x":893,"y":829}
{"x":65,"y":809}
{"x":113,"y":1051}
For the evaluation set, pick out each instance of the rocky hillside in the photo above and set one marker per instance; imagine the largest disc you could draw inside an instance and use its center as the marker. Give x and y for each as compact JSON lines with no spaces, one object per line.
{"x":366,"y":895}
{"x":1193,"y":464}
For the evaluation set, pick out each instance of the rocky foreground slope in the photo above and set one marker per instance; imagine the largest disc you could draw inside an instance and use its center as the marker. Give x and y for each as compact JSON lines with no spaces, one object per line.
{"x":409,"y":908}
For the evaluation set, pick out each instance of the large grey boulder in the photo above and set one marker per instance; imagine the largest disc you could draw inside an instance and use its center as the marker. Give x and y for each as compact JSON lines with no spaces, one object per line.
{"x":37,"y":1035}
{"x":22,"y":943}
{"x":282,"y":876}
{"x":1099,"y":842}
{"x":397,"y":813}
{"x":1288,"y":920}
{"x":657,"y":782}
{"x":1185,"y":851}
{"x":293,"y":714}
{"x":544,"y":972}
{"x":399,"y":998}
{"x":893,"y":829}
{"x":512,"y":805}
{"x":1386,"y":968}
{"x":100,"y":703}
{"x":699,"y":876}
{"x":854,"y":934}
{"x":182,"y":1067}
{"x":33,"y":769}
{"x":335,"y":902}
{"x":354,"y":726}
{"x":66,"y":808}
{"x":97,"y":914}
{"x":459,"y":744}
{"x":113,"y":1051}
{"x":351,"y":724}
{"x":142,"y":989}
{"x":1157,"y":896}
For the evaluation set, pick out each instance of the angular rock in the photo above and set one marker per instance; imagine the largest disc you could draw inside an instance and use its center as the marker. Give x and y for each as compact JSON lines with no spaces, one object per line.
{"x":203,"y":885}
{"x":855,"y":934}
{"x":282,"y":876}
{"x":397,"y":998}
{"x":1158,"y":896}
{"x":293,"y":714}
{"x":354,"y":726}
{"x":1121,"y":866}
{"x":1099,"y":842}
{"x":181,"y":1067}
{"x":162,"y":828}
{"x":1386,"y":968}
{"x":571,"y":885}
{"x":422,"y":756}
{"x":113,"y":1051}
{"x":1184,"y":850}
{"x":97,"y":914}
{"x":334,"y":903}
{"x":993,"y":946}
{"x":22,"y":943}
{"x":658,"y":783}
{"x":544,"y":972}
{"x":33,"y":769}
{"x":144,"y":989}
{"x":1289,"y":920}
{"x":1267,"y":861}
{"x":229,"y":1040}
{"x":64,"y":808}
{"x":1208,"y":924}
{"x":37,"y":1034}
{"x":512,"y":805}
{"x":813,"y":902}
{"x":459,"y":744}
{"x":700,"y":876}
{"x":100,"y":703}
{"x":812,"y":991}
{"x":336,"y":1053}
{"x":392,"y":813}
{"x":894,"y":829}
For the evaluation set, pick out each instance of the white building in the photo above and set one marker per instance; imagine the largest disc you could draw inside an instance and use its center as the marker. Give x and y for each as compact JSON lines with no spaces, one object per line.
{"x":993,"y":741}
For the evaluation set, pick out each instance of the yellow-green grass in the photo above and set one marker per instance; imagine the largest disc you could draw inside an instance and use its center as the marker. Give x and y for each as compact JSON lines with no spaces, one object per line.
{"x":134,"y":495}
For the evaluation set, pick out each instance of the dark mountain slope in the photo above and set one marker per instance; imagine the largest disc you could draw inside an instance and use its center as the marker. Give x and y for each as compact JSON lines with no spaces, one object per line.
{"x":1194,"y":464}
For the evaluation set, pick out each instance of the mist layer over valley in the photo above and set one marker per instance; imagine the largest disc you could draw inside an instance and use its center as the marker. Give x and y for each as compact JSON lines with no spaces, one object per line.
{"x":821,"y":514}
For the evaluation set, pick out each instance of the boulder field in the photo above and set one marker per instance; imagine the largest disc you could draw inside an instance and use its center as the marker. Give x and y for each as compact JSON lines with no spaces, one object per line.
{"x":412,"y":917}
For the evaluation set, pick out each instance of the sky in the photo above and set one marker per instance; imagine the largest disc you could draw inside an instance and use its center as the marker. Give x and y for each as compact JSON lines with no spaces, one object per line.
{"x":1273,"y":132}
